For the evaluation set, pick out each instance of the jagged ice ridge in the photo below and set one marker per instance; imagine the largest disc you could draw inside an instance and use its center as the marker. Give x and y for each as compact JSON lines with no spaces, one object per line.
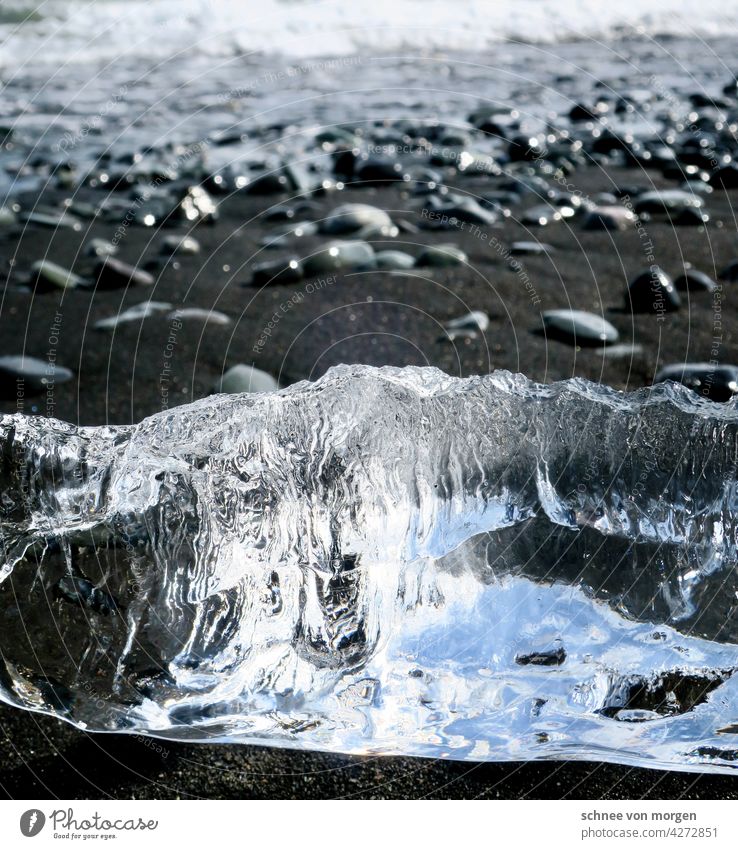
{"x":385,"y":561}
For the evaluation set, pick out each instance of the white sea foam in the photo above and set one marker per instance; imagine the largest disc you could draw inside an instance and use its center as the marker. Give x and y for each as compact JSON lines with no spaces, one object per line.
{"x":79,"y":30}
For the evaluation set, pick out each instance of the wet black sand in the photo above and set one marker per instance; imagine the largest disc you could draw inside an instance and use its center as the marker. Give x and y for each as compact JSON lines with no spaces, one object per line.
{"x":377,"y":318}
{"x":372,"y":318}
{"x":45,"y":759}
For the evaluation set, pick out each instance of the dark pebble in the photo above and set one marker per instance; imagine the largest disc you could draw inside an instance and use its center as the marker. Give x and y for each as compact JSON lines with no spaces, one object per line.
{"x":280,"y":271}
{"x":34,"y":374}
{"x":652,"y":291}
{"x":578,"y":327}
{"x":112,"y":273}
{"x":716,"y":382}
{"x":695,"y":281}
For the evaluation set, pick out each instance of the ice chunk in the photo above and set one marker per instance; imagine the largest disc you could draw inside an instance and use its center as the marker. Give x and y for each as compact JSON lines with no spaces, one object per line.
{"x":385,"y":560}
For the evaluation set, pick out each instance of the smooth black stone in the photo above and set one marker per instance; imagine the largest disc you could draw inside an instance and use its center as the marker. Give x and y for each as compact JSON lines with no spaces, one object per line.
{"x":525,"y":149}
{"x":580,"y":112}
{"x":730,"y":272}
{"x":531,"y":249}
{"x":112,"y":273}
{"x":376,"y":170}
{"x":725,"y":177}
{"x":695,"y":281}
{"x":666,"y":202}
{"x":29,"y":375}
{"x":268,"y":184}
{"x":691,"y":217}
{"x":578,"y":327}
{"x":652,"y":291}
{"x":716,"y":382}
{"x":279,"y":271}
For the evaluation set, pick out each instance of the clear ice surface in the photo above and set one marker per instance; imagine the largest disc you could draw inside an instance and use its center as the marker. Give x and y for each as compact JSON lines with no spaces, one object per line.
{"x":385,"y":561}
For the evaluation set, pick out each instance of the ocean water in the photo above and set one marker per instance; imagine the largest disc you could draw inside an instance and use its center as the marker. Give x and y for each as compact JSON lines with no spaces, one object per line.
{"x":82,"y":30}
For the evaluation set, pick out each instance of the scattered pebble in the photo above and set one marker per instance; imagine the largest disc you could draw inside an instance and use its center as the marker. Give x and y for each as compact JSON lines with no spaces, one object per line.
{"x":359,"y":220}
{"x":198,"y":314}
{"x":338,"y":256}
{"x":279,"y":271}
{"x":37,"y":375}
{"x":441,"y":256}
{"x":112,"y":273}
{"x":466,"y":326}
{"x":578,"y":327}
{"x":47,"y":275}
{"x":716,"y":382}
{"x":134,"y":313}
{"x":172,"y":245}
{"x":695,"y":281}
{"x":652,"y":291}
{"x":243,"y":378}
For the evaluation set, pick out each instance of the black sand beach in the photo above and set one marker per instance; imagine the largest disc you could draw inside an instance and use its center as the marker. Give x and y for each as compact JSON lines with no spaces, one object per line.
{"x":296,"y":331}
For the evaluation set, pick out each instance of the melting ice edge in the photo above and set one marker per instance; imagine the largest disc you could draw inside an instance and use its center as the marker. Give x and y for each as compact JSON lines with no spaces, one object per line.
{"x":385,"y":561}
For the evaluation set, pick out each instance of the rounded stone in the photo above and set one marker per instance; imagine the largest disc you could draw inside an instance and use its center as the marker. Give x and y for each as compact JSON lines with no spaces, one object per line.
{"x":242,"y":378}
{"x":279,"y":271}
{"x":652,"y":291}
{"x":112,"y":273}
{"x":393,"y":261}
{"x":35,"y":375}
{"x":357,"y":218}
{"x":695,"y":281}
{"x":610,"y":217}
{"x":715,"y":382}
{"x":173,"y":244}
{"x":730,"y":272}
{"x":666,"y":201}
{"x":338,"y":256}
{"x":441,"y":256}
{"x":579,"y":327}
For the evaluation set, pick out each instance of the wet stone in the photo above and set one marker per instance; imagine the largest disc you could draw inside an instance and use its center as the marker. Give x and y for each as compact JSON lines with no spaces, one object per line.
{"x":338,"y":256}
{"x":730,"y":272}
{"x":99,"y":247}
{"x":34,"y":374}
{"x":467,"y":326}
{"x":531,"y":249}
{"x":279,"y":271}
{"x":667,"y":201}
{"x":441,"y":256}
{"x":578,"y":327}
{"x":695,"y":281}
{"x":47,"y":275}
{"x":716,"y":382}
{"x":244,"y":378}
{"x":652,"y":291}
{"x":137,"y":312}
{"x":112,"y":273}
{"x":610,"y":217}
{"x":171,"y":245}
{"x":358,"y":219}
{"x":200,"y":314}
{"x":393,"y":261}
